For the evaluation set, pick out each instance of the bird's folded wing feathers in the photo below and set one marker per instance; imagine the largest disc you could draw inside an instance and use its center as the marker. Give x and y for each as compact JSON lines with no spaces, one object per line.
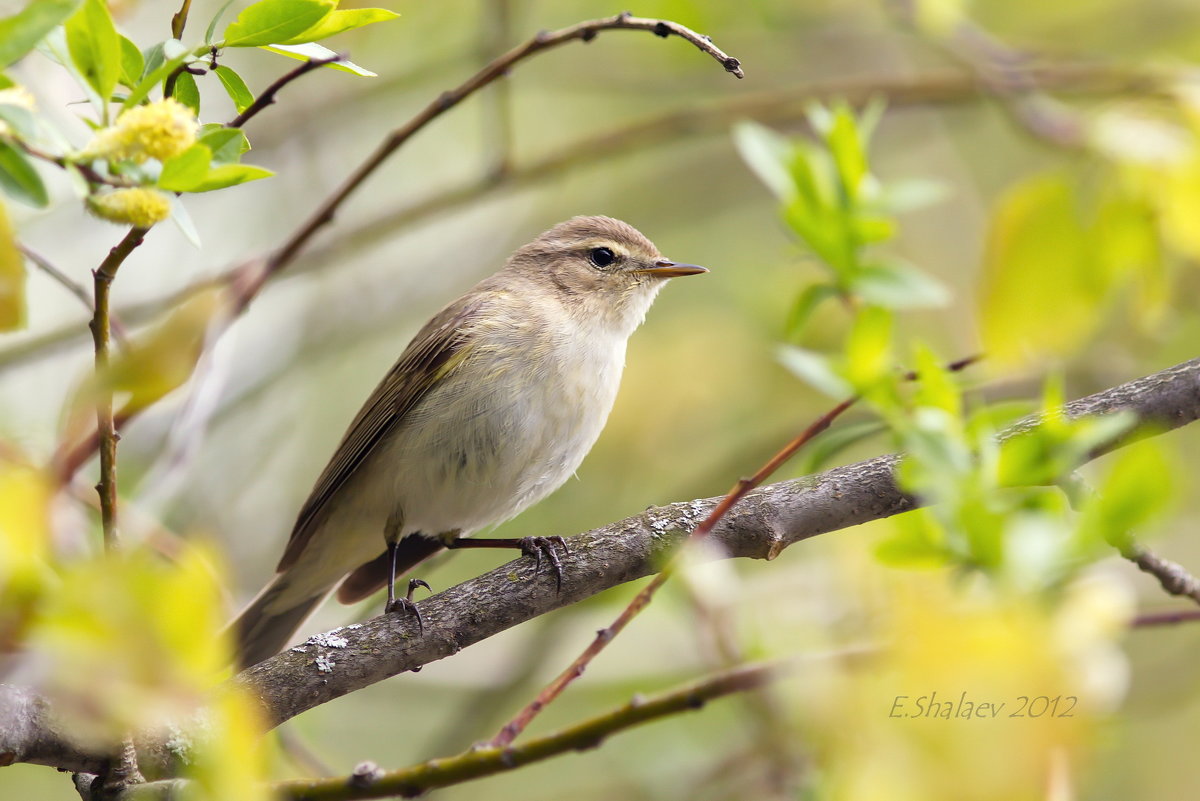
{"x":435,"y":350}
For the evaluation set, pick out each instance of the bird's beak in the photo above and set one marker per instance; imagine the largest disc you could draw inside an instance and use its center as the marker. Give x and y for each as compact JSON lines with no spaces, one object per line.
{"x":669,"y":269}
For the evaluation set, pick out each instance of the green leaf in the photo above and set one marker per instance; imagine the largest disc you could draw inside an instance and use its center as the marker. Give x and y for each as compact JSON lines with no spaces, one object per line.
{"x":186,"y":91}
{"x":193,"y":171}
{"x":235,"y":87}
{"x":21,"y":32}
{"x":1139,"y":486}
{"x":848,"y":151}
{"x":767,"y":154}
{"x":20,"y":119}
{"x":181,"y":173}
{"x":314,"y":51}
{"x":1042,"y":293}
{"x":6,"y":82}
{"x":19,"y":179}
{"x":897,"y":286}
{"x":216,"y":20}
{"x":95,"y":46}
{"x":815,"y":370}
{"x":230,"y":175}
{"x":12,"y":277}
{"x":869,"y":348}
{"x":338,"y":21}
{"x":227,"y":144}
{"x":805,"y":304}
{"x":171,"y":54}
{"x":132,"y":63}
{"x":270,"y":21}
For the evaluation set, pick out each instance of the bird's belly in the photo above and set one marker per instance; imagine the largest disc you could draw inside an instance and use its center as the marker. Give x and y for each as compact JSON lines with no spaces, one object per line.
{"x":467,"y":460}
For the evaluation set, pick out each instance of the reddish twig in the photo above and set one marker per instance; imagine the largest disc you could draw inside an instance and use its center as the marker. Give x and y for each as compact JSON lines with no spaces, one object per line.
{"x":268,"y":95}
{"x":514,"y":727}
{"x":1165,"y":618}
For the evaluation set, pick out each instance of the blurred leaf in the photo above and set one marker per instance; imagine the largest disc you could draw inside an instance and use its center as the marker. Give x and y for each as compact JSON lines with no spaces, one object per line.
{"x":848,"y":151}
{"x":898,"y":286}
{"x":935,"y":387}
{"x":172,"y":54}
{"x":12,"y":277}
{"x":815,"y":370}
{"x":235,"y":87}
{"x":227,"y":144}
{"x":1042,"y":290}
{"x":869,"y":348}
{"x":21,"y":32}
{"x":25,"y":499}
{"x":155,"y":364}
{"x":805,"y":304}
{"x":20,"y":119}
{"x":767,"y":154}
{"x":917,"y":541}
{"x":19,"y":178}
{"x":270,"y":21}
{"x":338,"y":21}
{"x":228,"y":761}
{"x":1138,"y":487}
{"x":186,"y":92}
{"x":95,"y":46}
{"x":132,"y":63}
{"x":146,"y":631}
{"x":312,"y":51}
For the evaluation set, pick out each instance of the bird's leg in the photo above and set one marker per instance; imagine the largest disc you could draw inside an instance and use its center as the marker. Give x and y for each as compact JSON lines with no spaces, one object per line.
{"x":529,"y":546}
{"x":405,"y":604}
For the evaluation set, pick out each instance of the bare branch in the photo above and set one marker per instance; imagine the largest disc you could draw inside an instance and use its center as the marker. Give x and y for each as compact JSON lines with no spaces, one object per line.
{"x":268,"y":95}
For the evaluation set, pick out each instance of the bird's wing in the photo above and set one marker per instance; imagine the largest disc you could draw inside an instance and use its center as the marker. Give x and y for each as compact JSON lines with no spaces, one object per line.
{"x":432,"y":353}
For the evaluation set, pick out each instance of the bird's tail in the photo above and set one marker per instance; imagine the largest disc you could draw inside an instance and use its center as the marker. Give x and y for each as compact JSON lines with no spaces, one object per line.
{"x":263,"y":629}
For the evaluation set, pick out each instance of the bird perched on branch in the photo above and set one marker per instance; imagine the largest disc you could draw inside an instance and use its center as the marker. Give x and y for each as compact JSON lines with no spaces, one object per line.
{"x":490,"y":408}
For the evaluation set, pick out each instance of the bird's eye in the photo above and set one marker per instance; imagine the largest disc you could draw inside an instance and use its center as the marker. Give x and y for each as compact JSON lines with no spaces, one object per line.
{"x":602,"y":257}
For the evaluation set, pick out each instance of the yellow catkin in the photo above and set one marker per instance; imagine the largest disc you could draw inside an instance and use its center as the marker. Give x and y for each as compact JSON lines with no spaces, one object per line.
{"x":134,"y":206}
{"x":157,"y":130}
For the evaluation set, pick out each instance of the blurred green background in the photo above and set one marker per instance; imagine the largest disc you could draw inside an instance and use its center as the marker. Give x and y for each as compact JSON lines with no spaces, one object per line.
{"x":703,"y":399}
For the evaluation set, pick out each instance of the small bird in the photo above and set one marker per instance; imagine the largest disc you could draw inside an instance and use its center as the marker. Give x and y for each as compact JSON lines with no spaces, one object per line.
{"x":491,"y":407}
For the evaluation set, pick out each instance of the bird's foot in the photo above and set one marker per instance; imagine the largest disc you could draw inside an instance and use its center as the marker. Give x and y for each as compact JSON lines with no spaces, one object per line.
{"x":407,"y":605}
{"x":549,"y":546}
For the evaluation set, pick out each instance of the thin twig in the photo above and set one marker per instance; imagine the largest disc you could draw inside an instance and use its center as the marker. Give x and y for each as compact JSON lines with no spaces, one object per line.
{"x":497,"y":119}
{"x":268,"y":95}
{"x":1166,"y":618}
{"x":479,"y":762}
{"x":603,"y":637}
{"x":106,"y":432}
{"x":258,"y":272}
{"x":790,"y":104}
{"x":72,"y":286}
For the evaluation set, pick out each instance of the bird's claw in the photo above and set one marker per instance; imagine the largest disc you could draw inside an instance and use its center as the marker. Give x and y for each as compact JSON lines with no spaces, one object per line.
{"x":407,"y":605}
{"x":537,"y":546}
